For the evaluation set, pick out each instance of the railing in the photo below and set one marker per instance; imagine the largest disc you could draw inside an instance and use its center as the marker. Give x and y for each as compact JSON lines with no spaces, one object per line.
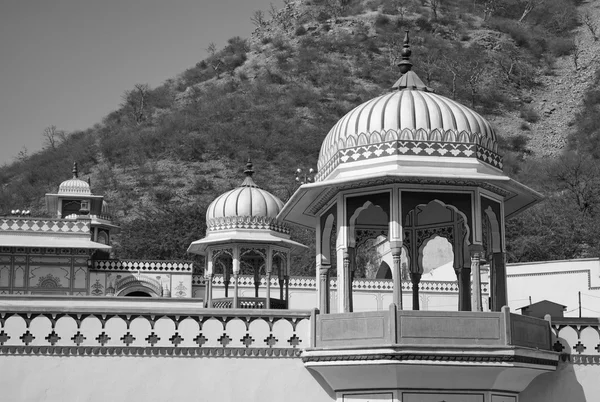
{"x":44,"y":225}
{"x":426,"y":328}
{"x":146,"y":327}
{"x":249,"y":303}
{"x":357,"y":284}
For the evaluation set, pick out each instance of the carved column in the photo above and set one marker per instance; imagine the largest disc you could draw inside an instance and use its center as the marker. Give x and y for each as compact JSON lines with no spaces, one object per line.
{"x":236,"y":272}
{"x":350,"y":270}
{"x":475,"y":251}
{"x":498,"y":281}
{"x":464,"y":288}
{"x":397,"y":277}
{"x":342,"y":259}
{"x":415,"y":278}
{"x":287,"y":291}
{"x":324,"y":289}
{"x":208,"y":289}
{"x":268,"y":301}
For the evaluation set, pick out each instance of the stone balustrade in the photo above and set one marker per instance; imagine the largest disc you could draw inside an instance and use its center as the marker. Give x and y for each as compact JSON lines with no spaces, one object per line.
{"x":146,"y":327}
{"x":425,"y":328}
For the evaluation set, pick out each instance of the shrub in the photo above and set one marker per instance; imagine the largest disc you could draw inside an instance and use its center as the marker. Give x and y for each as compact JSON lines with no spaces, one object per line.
{"x":424,"y":24}
{"x":381,"y":20}
{"x":529,"y":114}
{"x":300,"y":31}
{"x":561,"y":46}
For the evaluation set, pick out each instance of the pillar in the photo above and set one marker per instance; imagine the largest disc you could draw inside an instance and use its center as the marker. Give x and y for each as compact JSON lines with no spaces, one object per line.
{"x":236,"y":272}
{"x":476,"y":250}
{"x":324,"y":289}
{"x":415,"y":279}
{"x":208,"y":289}
{"x":342,"y":259}
{"x":395,"y":239}
{"x":287,"y":291}
{"x":397,"y":276}
{"x":268,"y":297}
{"x":498,"y":282}
{"x":350,"y":270}
{"x":464,"y":288}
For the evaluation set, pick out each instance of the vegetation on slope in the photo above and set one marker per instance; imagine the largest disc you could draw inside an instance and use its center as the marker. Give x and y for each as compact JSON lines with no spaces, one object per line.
{"x":166,"y":152}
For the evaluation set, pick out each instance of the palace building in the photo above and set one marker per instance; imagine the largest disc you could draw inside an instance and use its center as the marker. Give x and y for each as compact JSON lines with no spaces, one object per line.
{"x":412,"y":299}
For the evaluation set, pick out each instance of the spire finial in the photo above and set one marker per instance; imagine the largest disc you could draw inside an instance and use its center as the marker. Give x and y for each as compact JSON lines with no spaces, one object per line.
{"x":249,"y":172}
{"x":74,"y":170}
{"x":405,"y":65}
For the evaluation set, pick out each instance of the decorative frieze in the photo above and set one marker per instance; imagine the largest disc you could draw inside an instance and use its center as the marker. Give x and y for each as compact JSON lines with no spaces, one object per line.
{"x":44,"y":226}
{"x":143,"y":266}
{"x":246,"y":222}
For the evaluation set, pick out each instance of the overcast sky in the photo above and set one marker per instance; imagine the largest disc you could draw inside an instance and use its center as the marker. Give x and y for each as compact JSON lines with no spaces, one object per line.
{"x":67,"y":62}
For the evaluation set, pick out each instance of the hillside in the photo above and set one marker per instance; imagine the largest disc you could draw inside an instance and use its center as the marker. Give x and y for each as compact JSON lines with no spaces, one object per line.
{"x":166,"y":152}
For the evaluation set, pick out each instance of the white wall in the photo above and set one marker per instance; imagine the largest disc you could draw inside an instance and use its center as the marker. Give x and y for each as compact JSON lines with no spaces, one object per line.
{"x":557,"y":281}
{"x":161,"y":379}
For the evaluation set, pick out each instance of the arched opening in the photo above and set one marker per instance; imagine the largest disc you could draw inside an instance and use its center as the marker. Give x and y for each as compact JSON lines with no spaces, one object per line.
{"x":436,"y":235}
{"x":137,"y":293}
{"x":437,"y":260}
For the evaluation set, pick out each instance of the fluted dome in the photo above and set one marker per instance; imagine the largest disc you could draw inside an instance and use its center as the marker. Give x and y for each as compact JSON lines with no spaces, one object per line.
{"x":74,"y":185}
{"x":247,"y":206}
{"x":411,"y":120}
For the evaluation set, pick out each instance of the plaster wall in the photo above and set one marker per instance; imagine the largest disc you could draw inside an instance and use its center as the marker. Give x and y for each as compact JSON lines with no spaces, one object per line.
{"x":570,"y":382}
{"x":567,"y":277}
{"x":102,"y":378}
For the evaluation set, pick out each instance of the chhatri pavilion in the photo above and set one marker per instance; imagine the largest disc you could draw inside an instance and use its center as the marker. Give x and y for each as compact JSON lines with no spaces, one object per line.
{"x":398,"y":176}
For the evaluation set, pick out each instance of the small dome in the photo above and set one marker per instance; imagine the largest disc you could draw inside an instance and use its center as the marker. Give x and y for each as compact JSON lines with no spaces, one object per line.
{"x":246,"y":204}
{"x":411,"y":120}
{"x":74,"y":185}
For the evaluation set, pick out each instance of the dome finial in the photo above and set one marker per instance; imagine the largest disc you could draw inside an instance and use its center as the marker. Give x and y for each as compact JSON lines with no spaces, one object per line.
{"x":248,"y":182}
{"x":249,"y":172}
{"x":75,"y":174}
{"x":405,"y":65}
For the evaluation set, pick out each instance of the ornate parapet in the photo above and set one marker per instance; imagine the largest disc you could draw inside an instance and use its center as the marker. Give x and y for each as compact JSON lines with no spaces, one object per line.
{"x":577,"y":339}
{"x":143,"y":266}
{"x":107,"y":326}
{"x":398,"y":349}
{"x":32,"y":225}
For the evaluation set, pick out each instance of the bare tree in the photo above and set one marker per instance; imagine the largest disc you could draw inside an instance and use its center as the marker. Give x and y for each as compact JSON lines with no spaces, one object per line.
{"x":529,"y":6}
{"x":53,"y":136}
{"x":211,"y":49}
{"x":435,"y":6}
{"x":402,"y":8}
{"x":591,"y":24}
{"x":489,"y":8}
{"x":575,"y":54}
{"x":135,"y":102}
{"x":258,"y":18}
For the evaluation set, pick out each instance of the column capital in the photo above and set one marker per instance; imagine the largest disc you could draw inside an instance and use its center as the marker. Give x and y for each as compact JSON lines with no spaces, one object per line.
{"x":476,"y":249}
{"x":324,"y":269}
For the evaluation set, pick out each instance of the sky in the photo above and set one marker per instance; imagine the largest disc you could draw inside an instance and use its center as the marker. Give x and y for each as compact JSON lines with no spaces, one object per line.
{"x":67,"y":62}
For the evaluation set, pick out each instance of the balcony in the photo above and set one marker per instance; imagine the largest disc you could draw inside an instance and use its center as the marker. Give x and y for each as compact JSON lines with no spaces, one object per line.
{"x":424,"y":349}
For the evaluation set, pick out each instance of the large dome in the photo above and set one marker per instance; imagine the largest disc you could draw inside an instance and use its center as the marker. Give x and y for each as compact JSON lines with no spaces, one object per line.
{"x":74,"y":186}
{"x":409,"y":121}
{"x":247,"y":206}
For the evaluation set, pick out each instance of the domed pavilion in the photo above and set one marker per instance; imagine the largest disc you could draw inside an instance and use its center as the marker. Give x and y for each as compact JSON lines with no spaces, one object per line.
{"x":244,"y":237}
{"x":410,"y":166}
